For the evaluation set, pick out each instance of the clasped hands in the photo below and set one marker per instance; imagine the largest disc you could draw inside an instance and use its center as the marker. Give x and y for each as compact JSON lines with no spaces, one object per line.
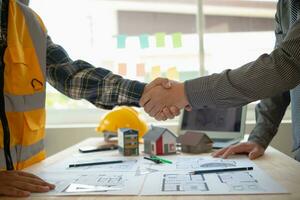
{"x":163,"y":99}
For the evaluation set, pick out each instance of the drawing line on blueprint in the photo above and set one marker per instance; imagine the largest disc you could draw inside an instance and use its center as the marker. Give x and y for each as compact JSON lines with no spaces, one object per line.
{"x":196,"y":163}
{"x":183,"y":182}
{"x":128,"y":165}
{"x":240,"y":181}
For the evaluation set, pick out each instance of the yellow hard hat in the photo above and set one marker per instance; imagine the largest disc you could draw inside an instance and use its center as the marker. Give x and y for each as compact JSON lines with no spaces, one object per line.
{"x":122,"y":117}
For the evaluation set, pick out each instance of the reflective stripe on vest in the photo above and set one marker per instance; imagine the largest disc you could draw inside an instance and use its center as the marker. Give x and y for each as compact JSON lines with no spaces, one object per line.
{"x":24,"y":103}
{"x":40,"y":43}
{"x":21,"y":153}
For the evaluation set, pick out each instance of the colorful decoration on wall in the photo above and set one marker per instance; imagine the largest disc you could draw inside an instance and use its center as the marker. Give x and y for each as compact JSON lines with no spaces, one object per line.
{"x":121,"y":41}
{"x":155,"y":72}
{"x":160,"y":40}
{"x":173,"y":74}
{"x":144,"y":41}
{"x":140,"y":69}
{"x":176,"y":39}
{"x":122,"y":69}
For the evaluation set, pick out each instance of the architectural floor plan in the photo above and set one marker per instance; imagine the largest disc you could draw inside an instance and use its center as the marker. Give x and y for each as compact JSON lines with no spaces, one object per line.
{"x":137,"y":176}
{"x":183,"y":182}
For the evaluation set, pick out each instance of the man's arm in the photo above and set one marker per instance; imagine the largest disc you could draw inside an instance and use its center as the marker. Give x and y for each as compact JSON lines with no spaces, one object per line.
{"x":267,"y":76}
{"x":80,"y":80}
{"x":269,"y":113}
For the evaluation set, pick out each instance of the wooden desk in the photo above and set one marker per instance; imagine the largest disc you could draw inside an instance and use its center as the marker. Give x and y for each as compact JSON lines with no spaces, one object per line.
{"x":280,"y":167}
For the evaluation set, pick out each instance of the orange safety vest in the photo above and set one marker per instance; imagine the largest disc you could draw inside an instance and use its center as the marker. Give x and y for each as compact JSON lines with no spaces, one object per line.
{"x":24,"y":86}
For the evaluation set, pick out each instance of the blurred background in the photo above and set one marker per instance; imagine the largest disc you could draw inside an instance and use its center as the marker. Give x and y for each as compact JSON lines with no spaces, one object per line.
{"x":144,"y":39}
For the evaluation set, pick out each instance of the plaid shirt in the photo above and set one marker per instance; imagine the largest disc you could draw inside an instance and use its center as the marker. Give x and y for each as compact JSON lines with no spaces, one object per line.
{"x":80,"y":80}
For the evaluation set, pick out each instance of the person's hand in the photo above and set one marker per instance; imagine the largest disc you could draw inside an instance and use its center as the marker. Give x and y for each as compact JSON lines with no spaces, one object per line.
{"x":21,"y":184}
{"x":168,"y":112}
{"x":253,"y":150}
{"x":164,"y":82}
{"x":158,"y":98}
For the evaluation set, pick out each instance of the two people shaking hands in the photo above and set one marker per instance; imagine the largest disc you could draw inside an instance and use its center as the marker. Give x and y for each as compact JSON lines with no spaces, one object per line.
{"x":163,"y":99}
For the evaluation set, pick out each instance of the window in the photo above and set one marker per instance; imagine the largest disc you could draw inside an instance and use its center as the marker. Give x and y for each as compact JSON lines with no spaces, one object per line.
{"x":143,"y":39}
{"x":236,"y":32}
{"x":93,"y":30}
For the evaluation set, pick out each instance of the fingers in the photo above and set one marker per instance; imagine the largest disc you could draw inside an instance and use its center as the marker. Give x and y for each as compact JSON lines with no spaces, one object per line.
{"x":167,"y":112}
{"x":149,"y":107}
{"x":35,"y":179}
{"x":174,"y":110}
{"x":257,"y":152}
{"x":13,"y":192}
{"x":220,"y":152}
{"x":21,"y":184}
{"x":155,"y":110}
{"x":30,"y":187}
{"x":160,"y":117}
{"x":234,"y":149}
{"x":188,"y":108}
{"x":166,"y":83}
{"x":145,"y":99}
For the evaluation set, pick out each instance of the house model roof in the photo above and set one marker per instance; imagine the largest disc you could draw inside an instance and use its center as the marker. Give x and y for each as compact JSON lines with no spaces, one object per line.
{"x":155,"y":132}
{"x":193,"y":138}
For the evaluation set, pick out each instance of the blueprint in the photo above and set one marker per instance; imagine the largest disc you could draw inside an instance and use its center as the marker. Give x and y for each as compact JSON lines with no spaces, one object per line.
{"x":129,"y":166}
{"x":113,"y":183}
{"x":176,"y":179}
{"x":137,"y":176}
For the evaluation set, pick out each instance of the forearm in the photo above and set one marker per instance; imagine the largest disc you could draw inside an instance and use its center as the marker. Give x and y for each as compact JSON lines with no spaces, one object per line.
{"x":269,"y":113}
{"x":80,"y":80}
{"x":265,"y":77}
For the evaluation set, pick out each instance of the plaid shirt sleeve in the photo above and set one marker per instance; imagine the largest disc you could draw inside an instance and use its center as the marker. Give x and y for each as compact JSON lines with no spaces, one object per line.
{"x":80,"y":80}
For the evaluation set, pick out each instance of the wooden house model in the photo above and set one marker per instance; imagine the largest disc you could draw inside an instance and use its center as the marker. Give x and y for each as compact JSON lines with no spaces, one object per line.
{"x":195,"y":142}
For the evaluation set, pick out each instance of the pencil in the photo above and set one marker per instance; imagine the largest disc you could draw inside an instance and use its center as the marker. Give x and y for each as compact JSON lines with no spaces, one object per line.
{"x":221,"y":170}
{"x":96,"y":163}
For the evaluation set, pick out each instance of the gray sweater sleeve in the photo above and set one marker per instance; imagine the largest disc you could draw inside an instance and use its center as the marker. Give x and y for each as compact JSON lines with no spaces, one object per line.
{"x":269,"y":113}
{"x":267,"y":76}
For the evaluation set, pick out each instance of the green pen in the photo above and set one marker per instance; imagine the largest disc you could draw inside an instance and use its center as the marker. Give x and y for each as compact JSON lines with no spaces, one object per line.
{"x":162,"y":160}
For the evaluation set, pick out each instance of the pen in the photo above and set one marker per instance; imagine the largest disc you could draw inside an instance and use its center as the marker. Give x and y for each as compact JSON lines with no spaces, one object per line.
{"x":96,"y":163}
{"x":98,"y":149}
{"x":161,"y":159}
{"x":153,"y":159}
{"x":221,"y":170}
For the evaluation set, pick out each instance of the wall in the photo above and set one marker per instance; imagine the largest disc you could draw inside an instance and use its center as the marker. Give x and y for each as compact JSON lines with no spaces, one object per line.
{"x":59,"y":138}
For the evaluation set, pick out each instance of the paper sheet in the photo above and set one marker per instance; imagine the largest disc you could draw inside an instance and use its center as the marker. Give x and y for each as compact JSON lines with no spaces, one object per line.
{"x":138,"y":176}
{"x":130,"y":165}
{"x":176,"y":180}
{"x":120,"y":183}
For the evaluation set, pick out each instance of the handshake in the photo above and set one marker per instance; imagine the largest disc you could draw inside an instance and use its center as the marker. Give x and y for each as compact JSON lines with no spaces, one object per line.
{"x":163,"y":99}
